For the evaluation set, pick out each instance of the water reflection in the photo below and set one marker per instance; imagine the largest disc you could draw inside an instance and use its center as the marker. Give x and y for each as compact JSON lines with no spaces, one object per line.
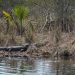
{"x":64,"y":67}
{"x":23,"y":66}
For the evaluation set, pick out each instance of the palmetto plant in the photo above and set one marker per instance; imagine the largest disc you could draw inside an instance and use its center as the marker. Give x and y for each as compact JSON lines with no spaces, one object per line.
{"x":8,"y":18}
{"x":21,"y":12}
{"x":6,"y":15}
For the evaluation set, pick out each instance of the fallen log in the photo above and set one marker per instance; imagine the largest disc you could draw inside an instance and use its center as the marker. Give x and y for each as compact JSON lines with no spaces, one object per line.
{"x":15,"y":48}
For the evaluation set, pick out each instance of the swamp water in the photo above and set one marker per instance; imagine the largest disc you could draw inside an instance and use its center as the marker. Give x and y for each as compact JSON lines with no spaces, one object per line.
{"x":25,"y":66}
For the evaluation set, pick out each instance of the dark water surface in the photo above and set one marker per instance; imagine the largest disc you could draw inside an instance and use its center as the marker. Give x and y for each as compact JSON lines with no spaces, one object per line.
{"x":24,"y":66}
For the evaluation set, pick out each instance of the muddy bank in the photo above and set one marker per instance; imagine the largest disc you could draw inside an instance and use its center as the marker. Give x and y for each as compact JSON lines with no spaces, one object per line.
{"x":47,"y":50}
{"x":41,"y":50}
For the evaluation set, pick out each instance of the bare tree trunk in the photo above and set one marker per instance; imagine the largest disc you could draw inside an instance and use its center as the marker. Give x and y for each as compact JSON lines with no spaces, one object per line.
{"x":7,"y":28}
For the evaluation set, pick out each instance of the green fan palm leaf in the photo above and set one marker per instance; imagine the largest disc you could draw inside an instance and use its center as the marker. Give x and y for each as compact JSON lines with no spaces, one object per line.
{"x":21,"y":12}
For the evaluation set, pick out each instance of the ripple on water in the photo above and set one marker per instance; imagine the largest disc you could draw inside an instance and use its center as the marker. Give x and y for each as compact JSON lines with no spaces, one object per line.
{"x":23,"y":66}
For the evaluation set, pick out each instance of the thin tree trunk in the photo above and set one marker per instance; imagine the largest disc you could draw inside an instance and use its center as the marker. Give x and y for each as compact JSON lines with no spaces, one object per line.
{"x":21,"y":28}
{"x":7,"y":28}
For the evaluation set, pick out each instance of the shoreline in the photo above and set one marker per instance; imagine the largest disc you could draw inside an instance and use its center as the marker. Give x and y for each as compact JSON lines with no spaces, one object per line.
{"x":38,"y":54}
